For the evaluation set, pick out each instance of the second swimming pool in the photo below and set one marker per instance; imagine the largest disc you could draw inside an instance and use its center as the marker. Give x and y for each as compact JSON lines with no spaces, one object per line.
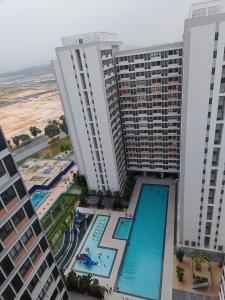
{"x":38,"y":198}
{"x":101,"y":257}
{"x":122,"y":229}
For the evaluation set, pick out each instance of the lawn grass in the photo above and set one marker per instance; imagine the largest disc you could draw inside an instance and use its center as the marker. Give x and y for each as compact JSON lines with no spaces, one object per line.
{"x":62,"y":212}
{"x":50,"y":151}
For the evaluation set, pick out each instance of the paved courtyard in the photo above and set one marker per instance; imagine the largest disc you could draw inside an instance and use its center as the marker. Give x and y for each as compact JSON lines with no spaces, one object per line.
{"x":108,"y":241}
{"x":59,"y":188}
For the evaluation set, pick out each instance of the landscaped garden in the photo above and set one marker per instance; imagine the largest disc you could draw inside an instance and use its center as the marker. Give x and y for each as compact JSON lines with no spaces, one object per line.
{"x":196,"y":273}
{"x":84,"y":284}
{"x":120,"y":201}
{"x":58,"y":218}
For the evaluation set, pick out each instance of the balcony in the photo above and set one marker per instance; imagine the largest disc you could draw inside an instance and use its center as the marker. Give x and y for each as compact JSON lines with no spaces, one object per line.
{"x":20,"y":256}
{"x":2,"y":213}
{"x":30,"y":242}
{"x":27,"y":274}
{"x":12,"y":203}
{"x":9,"y":238}
{"x":22,"y":223}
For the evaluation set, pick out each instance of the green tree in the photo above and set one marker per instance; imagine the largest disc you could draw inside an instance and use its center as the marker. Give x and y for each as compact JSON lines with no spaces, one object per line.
{"x":24,"y":137}
{"x":16,"y":140}
{"x":93,"y":193}
{"x":63,"y":125}
{"x":99,"y":193}
{"x":180,"y":254}
{"x":108,"y":193}
{"x":180,"y":273}
{"x":51,"y":130}
{"x":34,"y":131}
{"x":199,"y":259}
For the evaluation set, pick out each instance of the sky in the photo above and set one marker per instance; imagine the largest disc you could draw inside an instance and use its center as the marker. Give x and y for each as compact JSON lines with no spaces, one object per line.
{"x":31,"y":29}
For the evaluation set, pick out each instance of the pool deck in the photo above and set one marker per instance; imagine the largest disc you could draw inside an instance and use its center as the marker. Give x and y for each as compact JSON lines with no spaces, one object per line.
{"x":109,"y":241}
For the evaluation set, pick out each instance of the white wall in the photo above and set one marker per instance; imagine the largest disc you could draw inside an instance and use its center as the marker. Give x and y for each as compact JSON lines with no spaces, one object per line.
{"x":75,"y":115}
{"x":198,"y":61}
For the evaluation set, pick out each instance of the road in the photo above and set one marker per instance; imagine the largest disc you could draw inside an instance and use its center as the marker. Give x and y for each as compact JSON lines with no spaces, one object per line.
{"x":32,"y":148}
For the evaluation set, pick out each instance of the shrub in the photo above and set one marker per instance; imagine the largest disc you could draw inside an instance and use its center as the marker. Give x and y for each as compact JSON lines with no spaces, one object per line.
{"x":180,"y":273}
{"x":180,"y":254}
{"x":221,"y":262}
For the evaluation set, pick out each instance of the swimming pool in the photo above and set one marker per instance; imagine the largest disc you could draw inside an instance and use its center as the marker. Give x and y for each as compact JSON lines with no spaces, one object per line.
{"x":141,"y":269}
{"x":103,"y":257}
{"x":122,"y":229}
{"x":38,"y":197}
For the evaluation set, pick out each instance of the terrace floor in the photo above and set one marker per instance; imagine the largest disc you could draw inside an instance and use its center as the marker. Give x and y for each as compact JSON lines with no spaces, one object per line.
{"x":108,"y":241}
{"x":186,"y":285}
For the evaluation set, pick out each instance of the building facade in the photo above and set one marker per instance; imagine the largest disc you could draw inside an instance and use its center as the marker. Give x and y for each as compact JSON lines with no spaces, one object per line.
{"x":86,"y":79}
{"x":122,"y":107}
{"x":27,"y":267}
{"x":149,"y":87}
{"x":202,"y":175}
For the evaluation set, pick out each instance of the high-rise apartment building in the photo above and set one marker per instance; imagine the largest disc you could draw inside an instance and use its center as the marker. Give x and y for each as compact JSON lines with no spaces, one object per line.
{"x":27,"y":267}
{"x":120,"y":102}
{"x":123,"y":109}
{"x":202,"y":176}
{"x":86,"y":78}
{"x":149,"y":87}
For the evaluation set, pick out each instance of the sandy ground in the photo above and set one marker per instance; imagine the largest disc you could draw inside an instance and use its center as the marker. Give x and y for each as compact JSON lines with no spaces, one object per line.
{"x":16,"y":118}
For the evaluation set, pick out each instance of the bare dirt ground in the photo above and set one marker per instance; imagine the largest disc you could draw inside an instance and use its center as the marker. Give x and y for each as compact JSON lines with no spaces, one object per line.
{"x":28,"y":97}
{"x":16,"y":118}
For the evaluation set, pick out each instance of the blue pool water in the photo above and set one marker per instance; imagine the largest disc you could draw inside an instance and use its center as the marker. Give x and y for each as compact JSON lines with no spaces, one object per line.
{"x":141,"y":270}
{"x":38,"y":197}
{"x":104,"y":257}
{"x":123,"y":229}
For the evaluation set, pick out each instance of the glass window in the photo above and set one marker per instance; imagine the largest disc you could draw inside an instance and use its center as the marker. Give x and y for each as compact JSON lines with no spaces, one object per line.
{"x":8,"y":195}
{"x":27,"y":236}
{"x":35,"y":254}
{"x":8,"y":294}
{"x":37,"y":228}
{"x":9,"y":163}
{"x":25,"y":267}
{"x":6,"y":230}
{"x":15,"y":251}
{"x":20,"y":188}
{"x":33,"y":283}
{"x":18,"y":217}
{"x":29,"y":209}
{"x":42,"y":269}
{"x":6,"y":265}
{"x":17,"y":283}
{"x":2,"y":169}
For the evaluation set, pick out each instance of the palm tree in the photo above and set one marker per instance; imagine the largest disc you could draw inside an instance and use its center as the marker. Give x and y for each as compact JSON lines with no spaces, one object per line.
{"x":16,"y":140}
{"x":199,"y":259}
{"x":108,"y":193}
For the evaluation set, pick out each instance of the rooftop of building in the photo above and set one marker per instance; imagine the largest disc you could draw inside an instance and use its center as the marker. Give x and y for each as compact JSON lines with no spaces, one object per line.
{"x":89,"y":37}
{"x":206,"y":8}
